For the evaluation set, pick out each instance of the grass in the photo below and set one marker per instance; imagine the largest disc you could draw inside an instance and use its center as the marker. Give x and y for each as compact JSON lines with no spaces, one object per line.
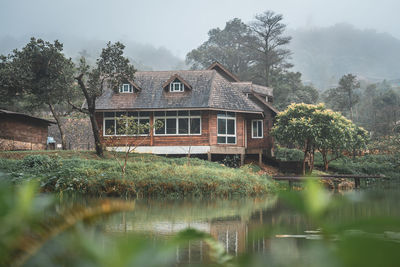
{"x":146,"y":175}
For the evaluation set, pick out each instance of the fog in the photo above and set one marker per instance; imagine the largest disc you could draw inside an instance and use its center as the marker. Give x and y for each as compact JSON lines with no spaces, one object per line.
{"x":158,"y":34}
{"x":180,"y":25}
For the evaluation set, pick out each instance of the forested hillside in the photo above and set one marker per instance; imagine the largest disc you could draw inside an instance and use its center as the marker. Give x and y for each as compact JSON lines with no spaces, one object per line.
{"x":323,"y":55}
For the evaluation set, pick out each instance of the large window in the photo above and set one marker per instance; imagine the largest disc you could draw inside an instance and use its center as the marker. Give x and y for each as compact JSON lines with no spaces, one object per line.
{"x":126,"y":123}
{"x":125,"y":88}
{"x":181,"y":122}
{"x":257,"y":129}
{"x":226,"y":124}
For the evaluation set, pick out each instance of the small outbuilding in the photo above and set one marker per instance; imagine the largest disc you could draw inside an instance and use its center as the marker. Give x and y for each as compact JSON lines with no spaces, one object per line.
{"x":20,"y":131}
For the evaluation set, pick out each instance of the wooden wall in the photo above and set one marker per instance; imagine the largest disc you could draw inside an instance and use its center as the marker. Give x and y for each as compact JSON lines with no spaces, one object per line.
{"x":208,"y":135}
{"x":22,"y":133}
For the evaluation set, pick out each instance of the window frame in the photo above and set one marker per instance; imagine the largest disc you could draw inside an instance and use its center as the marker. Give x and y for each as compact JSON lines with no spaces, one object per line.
{"x":115,"y":118}
{"x":177,"y":117}
{"x":259,"y":122}
{"x":122,"y":88}
{"x":226,"y":135}
{"x":181,"y":87}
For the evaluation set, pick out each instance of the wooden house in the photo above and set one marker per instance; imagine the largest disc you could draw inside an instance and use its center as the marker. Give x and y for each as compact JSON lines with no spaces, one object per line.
{"x":20,"y":131}
{"x":202,"y":112}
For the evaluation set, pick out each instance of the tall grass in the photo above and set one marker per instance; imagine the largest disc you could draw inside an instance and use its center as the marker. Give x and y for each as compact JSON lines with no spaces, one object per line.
{"x":146,"y":175}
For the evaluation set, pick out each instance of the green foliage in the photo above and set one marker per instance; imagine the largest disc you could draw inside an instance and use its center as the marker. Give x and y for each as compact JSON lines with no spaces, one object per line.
{"x":345,"y":96}
{"x":39,"y":72}
{"x":313,"y":127}
{"x":388,"y":165}
{"x":250,"y":51}
{"x":288,"y":154}
{"x":231,"y":161}
{"x":40,"y":162}
{"x":145,"y":175}
{"x":288,"y":89}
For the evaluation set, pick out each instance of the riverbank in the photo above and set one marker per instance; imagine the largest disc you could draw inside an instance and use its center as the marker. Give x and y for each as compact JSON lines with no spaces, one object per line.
{"x":146,"y":175}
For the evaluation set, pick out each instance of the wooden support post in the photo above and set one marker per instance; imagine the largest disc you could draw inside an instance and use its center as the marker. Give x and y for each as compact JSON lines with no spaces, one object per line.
{"x":260,"y":158}
{"x":357,"y":183}
{"x":290,"y":184}
{"x":209,"y":156}
{"x":242,"y":159}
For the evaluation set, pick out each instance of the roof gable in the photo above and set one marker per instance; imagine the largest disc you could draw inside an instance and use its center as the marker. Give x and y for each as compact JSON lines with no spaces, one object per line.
{"x":176,"y":77}
{"x":223,"y":72}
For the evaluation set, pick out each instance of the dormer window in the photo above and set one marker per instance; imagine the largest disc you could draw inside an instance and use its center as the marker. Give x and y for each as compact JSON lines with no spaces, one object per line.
{"x":126,"y":88}
{"x":176,"y":86}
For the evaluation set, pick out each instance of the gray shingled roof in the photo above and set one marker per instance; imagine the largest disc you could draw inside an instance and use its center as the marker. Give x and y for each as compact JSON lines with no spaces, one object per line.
{"x":209,"y":90}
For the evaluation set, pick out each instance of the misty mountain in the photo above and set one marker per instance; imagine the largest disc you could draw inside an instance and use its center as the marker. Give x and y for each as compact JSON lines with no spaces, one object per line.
{"x":323,"y":55}
{"x":142,"y":56}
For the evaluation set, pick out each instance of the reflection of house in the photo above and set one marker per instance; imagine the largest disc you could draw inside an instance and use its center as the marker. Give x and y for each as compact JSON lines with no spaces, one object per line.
{"x":19,"y":131}
{"x":202,"y":112}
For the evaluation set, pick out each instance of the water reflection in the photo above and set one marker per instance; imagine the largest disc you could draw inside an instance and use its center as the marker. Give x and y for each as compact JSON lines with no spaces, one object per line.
{"x":261,"y":225}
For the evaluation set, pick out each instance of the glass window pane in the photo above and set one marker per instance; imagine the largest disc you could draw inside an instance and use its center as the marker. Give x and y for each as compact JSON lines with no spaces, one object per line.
{"x":144,"y":114}
{"x":171,"y":126}
{"x":120,"y":114}
{"x":132,"y":114}
{"x":230,"y":114}
{"x":221,"y":113}
{"x":144,"y":126}
{"x":109,"y":127}
{"x":121,"y":127}
{"x":231,"y":140}
{"x":159,"y":113}
{"x":171,"y":113}
{"x":195,"y":113}
{"x":254,"y":129}
{"x":231,"y":127}
{"x":260,"y":134}
{"x":195,"y":126}
{"x":109,"y":114}
{"x":221,"y":140}
{"x":183,"y":113}
{"x":221,"y":126}
{"x":183,"y":126}
{"x":160,"y":130}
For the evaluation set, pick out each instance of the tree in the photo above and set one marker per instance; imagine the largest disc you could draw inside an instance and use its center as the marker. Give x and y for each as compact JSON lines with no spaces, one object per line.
{"x":38,"y":74}
{"x":111,"y":69}
{"x":226,"y":47}
{"x":268,"y":45}
{"x":288,"y":89}
{"x":345,"y":96}
{"x":315,"y":128}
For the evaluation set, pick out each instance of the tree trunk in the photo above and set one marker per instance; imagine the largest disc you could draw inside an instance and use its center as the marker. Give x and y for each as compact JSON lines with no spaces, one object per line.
{"x":91,"y":103}
{"x":305,"y":157}
{"x":96,"y":135}
{"x":60,"y":129}
{"x":325,"y":159}
{"x":311,"y":160}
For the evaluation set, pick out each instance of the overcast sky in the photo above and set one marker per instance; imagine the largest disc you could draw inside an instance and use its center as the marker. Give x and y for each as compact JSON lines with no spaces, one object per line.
{"x":181,"y":25}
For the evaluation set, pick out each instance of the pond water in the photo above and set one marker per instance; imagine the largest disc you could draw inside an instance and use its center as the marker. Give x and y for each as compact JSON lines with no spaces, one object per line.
{"x":270,"y":225}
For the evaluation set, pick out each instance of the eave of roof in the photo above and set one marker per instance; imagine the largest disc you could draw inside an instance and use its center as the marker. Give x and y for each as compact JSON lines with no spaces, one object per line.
{"x":8,"y":112}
